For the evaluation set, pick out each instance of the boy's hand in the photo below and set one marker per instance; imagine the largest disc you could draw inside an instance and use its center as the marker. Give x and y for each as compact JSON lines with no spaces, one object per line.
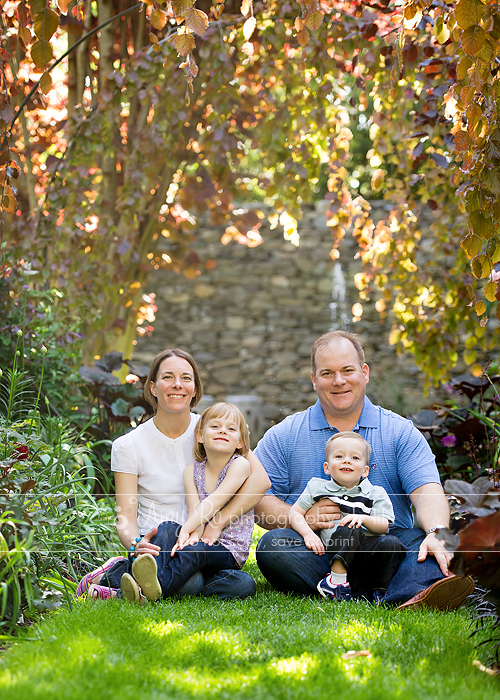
{"x":352,"y":520}
{"x":314,"y":542}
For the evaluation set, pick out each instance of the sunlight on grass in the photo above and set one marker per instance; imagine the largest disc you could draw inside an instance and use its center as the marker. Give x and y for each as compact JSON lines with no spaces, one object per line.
{"x":295,"y":666}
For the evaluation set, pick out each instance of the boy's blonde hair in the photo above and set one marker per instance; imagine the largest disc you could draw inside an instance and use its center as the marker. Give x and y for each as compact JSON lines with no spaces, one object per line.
{"x":348,"y":434}
{"x":221,"y":410}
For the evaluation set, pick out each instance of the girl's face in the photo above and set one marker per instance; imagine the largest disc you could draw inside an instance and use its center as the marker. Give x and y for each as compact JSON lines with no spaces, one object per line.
{"x":221,"y":435}
{"x":174,"y":386}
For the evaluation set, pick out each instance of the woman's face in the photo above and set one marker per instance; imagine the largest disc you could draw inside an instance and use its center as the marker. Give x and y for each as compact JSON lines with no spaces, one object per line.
{"x":174,"y":387}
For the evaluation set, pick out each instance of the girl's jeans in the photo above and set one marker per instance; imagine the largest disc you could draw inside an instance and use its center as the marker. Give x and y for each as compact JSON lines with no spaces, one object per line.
{"x":199,"y":569}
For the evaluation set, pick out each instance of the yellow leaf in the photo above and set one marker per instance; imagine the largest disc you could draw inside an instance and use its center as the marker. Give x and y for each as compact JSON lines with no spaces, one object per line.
{"x":490,"y":290}
{"x":179,"y":7}
{"x":481,"y":266}
{"x":474,"y":114}
{"x":473,"y":39}
{"x":246,"y":6}
{"x":480,"y":308}
{"x":158,"y":19}
{"x":249,"y":27}
{"x":41,"y":53}
{"x":471,"y":355}
{"x":248,"y":48}
{"x":303,"y":37}
{"x":184,"y":44}
{"x":46,"y":83}
{"x":197,"y":21}
{"x":471,"y":245}
{"x":463,"y":66}
{"x":410,"y":11}
{"x":313,"y":22}
{"x":46,"y":23}
{"x":9,"y":204}
{"x":468,"y":13}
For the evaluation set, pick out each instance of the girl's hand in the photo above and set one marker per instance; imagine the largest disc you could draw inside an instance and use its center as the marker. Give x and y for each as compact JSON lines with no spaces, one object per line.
{"x":352,"y":520}
{"x":211,"y":533}
{"x":315,"y":543}
{"x":182,"y":541}
{"x":144,"y":546}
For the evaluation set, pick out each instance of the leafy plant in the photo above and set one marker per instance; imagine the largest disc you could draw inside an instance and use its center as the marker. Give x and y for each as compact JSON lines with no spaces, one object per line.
{"x":465,"y":434}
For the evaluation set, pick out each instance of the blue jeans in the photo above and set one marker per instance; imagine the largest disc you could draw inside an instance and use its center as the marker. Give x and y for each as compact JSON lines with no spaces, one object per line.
{"x":205,"y":571}
{"x":289,"y":566}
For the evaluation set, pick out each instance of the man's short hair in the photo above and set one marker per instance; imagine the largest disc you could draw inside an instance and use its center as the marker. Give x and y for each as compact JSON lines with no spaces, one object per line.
{"x":349,"y":434}
{"x":333,"y":336}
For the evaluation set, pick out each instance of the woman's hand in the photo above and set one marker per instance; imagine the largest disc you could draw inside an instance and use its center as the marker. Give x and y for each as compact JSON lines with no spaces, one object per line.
{"x":182,"y":540}
{"x":144,"y":546}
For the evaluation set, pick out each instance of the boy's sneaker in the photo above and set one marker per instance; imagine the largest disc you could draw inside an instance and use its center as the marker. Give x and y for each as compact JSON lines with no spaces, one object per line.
{"x":340,"y":592}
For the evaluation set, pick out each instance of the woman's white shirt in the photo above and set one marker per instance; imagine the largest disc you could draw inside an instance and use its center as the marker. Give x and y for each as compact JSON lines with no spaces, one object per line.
{"x":158,"y":461}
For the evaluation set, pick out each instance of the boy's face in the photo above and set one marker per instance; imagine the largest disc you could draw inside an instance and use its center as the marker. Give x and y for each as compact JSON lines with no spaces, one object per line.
{"x":346,"y":462}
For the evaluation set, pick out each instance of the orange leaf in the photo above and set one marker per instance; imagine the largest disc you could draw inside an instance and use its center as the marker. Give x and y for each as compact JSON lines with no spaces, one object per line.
{"x":473,"y":39}
{"x":196,"y":20}
{"x":462,"y":140}
{"x":313,"y":22}
{"x":41,"y":53}
{"x":158,"y":19}
{"x":46,"y":83}
{"x":63,"y":6}
{"x":184,"y":44}
{"x":193,"y":66}
{"x":303,"y":37}
{"x":9,"y":204}
{"x":248,"y":27}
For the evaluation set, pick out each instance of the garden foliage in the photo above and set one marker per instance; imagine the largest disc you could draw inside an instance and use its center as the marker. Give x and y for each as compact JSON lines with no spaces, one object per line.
{"x":180,"y":107}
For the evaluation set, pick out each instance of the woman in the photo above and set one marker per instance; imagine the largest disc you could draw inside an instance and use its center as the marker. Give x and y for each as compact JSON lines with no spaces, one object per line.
{"x":148,"y":463}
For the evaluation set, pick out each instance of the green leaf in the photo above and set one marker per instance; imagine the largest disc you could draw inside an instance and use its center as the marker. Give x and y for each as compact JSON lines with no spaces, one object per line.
{"x":41,"y":53}
{"x":481,"y":266}
{"x":46,"y":23}
{"x":120,"y":407}
{"x":481,"y":225}
{"x":471,"y":245}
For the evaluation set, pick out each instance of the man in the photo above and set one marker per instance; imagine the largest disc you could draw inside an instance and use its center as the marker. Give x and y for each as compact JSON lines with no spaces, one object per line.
{"x":292,"y":452}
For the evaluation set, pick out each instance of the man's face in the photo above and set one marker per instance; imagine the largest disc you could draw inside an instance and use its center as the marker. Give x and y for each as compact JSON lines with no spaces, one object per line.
{"x":340,"y":381}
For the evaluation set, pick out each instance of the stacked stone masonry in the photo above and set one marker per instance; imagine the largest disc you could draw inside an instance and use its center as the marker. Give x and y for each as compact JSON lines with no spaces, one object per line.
{"x":250,"y":321}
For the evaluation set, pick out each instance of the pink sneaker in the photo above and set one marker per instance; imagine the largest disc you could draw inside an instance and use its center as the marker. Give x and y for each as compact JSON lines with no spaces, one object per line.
{"x":97,"y":592}
{"x":88,"y":579}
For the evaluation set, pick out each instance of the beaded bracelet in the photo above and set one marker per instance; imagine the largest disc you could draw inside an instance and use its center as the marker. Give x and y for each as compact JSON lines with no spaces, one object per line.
{"x":133,"y":546}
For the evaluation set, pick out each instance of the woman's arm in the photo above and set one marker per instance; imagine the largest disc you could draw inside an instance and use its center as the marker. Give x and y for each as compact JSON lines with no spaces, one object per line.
{"x":126,"y":508}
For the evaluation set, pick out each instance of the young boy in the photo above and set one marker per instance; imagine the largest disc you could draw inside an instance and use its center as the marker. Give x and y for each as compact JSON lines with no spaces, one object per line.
{"x":358,"y":542}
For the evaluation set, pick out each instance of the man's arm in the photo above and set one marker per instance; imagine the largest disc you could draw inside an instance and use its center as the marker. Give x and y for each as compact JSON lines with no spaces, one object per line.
{"x":432,"y":510}
{"x":272,"y":512}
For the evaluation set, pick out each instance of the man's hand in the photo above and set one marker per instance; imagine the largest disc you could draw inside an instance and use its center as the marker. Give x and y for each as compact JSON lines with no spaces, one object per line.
{"x":322,"y":514}
{"x":432,"y":545}
{"x":211,"y":533}
{"x":313,"y":542}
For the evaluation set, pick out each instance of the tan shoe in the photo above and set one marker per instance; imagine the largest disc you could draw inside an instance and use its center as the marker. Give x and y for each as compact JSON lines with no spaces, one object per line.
{"x":448,"y":594}
{"x":145,"y":571}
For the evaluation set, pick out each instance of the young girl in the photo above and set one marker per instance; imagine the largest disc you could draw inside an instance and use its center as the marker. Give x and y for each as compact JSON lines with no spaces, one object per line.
{"x":219,"y":470}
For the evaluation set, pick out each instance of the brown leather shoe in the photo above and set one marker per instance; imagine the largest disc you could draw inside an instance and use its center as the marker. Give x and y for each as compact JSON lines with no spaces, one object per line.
{"x":448,"y":594}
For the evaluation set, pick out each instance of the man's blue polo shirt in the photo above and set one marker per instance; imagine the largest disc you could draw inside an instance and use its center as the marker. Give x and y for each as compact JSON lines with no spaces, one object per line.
{"x":293,"y":452}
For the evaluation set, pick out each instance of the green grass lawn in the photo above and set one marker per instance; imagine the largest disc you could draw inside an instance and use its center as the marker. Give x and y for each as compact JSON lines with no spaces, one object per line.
{"x":270,"y":646}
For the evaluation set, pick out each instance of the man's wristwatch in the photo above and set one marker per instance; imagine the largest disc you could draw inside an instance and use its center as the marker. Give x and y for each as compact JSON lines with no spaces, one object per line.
{"x":433,"y":529}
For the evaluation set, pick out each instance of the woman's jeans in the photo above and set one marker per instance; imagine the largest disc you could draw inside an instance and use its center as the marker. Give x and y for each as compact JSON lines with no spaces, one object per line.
{"x":288,"y":565}
{"x":199,"y":569}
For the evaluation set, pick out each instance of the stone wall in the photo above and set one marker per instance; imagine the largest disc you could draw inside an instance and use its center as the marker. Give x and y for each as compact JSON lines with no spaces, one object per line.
{"x":251,"y":321}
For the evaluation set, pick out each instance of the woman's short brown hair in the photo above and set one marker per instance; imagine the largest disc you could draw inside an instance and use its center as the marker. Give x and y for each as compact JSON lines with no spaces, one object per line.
{"x":221,"y":410}
{"x":153,"y":374}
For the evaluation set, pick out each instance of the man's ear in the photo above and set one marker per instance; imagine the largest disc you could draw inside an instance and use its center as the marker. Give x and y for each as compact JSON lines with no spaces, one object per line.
{"x":313,"y":380}
{"x":366,"y":372}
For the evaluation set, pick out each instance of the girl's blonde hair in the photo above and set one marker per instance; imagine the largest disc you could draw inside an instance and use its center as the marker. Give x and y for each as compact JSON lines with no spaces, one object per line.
{"x":221,"y":410}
